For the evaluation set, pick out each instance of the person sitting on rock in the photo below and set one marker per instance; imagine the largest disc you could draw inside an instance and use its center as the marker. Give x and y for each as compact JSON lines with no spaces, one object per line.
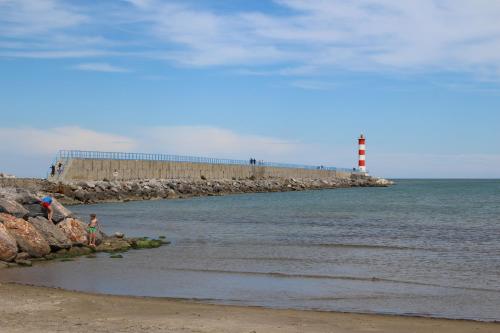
{"x":46,"y":203}
{"x":93,"y":229}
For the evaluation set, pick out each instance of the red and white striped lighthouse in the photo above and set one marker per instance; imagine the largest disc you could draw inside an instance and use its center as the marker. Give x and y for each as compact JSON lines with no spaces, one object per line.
{"x":362,"y":153}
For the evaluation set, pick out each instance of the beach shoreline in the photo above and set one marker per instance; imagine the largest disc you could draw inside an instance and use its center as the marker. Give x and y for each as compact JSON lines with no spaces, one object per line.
{"x":43,"y":309}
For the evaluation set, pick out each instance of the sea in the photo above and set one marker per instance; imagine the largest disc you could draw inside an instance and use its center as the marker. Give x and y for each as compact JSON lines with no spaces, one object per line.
{"x":419,"y":248}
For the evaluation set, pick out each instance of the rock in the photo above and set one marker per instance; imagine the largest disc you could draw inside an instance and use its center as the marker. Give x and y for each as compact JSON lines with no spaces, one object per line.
{"x":25,"y":197}
{"x":50,"y":256}
{"x":60,"y":212}
{"x":67,"y":259}
{"x":11,"y":207}
{"x":26,"y":235}
{"x":80,"y":194}
{"x":62,"y":252}
{"x":170,"y":193}
{"x":143,"y":243}
{"x":383,"y":182}
{"x":35,"y":210}
{"x":113,"y":245}
{"x":22,"y":256}
{"x":116,"y":256}
{"x":119,"y":234}
{"x":4,"y":265}
{"x":8,"y":245}
{"x":22,"y":262}
{"x":56,"y":238}
{"x":76,"y":251}
{"x":75,"y":230}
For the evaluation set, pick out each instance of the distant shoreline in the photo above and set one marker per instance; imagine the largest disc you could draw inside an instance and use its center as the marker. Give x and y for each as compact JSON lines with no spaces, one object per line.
{"x":51,"y":309}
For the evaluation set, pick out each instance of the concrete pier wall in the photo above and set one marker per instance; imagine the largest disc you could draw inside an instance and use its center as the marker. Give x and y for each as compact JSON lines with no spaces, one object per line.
{"x":100,"y":169}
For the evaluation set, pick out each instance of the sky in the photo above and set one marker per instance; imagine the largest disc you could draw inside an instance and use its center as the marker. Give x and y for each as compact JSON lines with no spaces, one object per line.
{"x":293,"y":81}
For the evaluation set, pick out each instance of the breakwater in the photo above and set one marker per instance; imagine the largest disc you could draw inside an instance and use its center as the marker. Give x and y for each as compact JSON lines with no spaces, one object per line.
{"x":78,"y":192}
{"x":79,"y":169}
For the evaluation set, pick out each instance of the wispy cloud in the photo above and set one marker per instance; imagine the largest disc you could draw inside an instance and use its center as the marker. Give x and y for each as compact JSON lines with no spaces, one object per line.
{"x":46,"y":142}
{"x":100,"y":67}
{"x":306,"y":37}
{"x":34,"y":17}
{"x":214,"y":141}
{"x":54,"y":54}
{"x":313,"y":85}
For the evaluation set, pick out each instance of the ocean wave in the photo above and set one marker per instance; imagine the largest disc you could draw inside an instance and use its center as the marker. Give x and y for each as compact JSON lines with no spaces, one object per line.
{"x":369,"y":246}
{"x":330,"y":277}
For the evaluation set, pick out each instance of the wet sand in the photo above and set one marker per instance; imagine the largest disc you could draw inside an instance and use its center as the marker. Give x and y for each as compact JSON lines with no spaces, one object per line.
{"x":39,"y":309}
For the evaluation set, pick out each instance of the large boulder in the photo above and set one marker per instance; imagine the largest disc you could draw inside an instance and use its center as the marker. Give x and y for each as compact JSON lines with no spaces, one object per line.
{"x":12,"y":207}
{"x":56,"y":238}
{"x":8,"y":245}
{"x":35,"y":210}
{"x":28,"y":238}
{"x":60,"y":212}
{"x":25,"y":197}
{"x":75,"y":230}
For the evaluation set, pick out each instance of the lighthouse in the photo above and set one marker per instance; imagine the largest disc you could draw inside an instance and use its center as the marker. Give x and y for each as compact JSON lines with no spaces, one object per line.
{"x":362,"y":154}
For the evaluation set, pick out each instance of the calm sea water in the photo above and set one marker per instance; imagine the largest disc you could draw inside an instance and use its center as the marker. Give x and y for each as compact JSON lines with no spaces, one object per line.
{"x":421,"y":247}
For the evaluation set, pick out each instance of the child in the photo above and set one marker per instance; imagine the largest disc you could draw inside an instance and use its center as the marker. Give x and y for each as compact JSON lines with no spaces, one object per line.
{"x":46,"y":203}
{"x":93,"y":229}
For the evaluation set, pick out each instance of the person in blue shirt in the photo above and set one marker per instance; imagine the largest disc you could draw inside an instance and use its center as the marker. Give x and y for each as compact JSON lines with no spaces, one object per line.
{"x":46,"y":203}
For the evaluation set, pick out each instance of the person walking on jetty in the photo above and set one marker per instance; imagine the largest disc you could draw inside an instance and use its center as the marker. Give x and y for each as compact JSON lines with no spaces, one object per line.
{"x":52,"y":170}
{"x":46,"y":203}
{"x":60,"y":168}
{"x":93,"y":224}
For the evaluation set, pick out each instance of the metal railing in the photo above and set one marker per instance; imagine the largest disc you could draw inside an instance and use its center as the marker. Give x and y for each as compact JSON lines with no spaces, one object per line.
{"x":84,"y":154}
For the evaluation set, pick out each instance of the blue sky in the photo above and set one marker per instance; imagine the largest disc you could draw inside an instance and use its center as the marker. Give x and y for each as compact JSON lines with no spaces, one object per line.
{"x":286,"y":80}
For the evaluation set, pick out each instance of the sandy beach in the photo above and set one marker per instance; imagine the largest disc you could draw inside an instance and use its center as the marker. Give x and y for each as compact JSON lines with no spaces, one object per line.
{"x":38,"y":309}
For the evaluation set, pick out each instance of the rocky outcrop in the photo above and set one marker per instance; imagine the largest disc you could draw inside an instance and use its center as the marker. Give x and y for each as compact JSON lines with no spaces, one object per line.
{"x":114,"y":244}
{"x":383,"y":182}
{"x":8,"y":245}
{"x":75,"y":230}
{"x":54,"y":235}
{"x":34,"y":238}
{"x":26,"y":235}
{"x":12,"y":207}
{"x":79,"y":192}
{"x":112,"y":191}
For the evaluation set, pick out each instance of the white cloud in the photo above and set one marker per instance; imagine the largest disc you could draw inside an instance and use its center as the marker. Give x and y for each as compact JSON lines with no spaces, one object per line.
{"x":306,"y":37}
{"x":28,"y":17}
{"x":33,"y":141}
{"x":313,"y":85}
{"x":218,"y":142}
{"x":31,"y":150}
{"x":100,"y":67}
{"x":357,"y":35}
{"x":54,"y":54}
